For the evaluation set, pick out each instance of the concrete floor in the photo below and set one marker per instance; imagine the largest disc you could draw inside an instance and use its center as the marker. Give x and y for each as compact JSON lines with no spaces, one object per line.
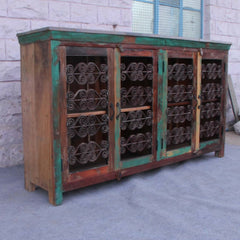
{"x":194,"y":200}
{"x":232,"y":138}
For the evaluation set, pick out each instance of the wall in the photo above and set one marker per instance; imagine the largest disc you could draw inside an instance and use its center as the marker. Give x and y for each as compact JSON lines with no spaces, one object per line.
{"x":222,"y":23}
{"x":19,"y":16}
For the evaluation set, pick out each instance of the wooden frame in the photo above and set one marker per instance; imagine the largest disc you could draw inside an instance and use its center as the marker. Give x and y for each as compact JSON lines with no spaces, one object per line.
{"x":43,"y":73}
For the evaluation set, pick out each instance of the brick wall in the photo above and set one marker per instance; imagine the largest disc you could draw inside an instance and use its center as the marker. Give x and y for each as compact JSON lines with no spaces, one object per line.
{"x":222,"y":23}
{"x":23,"y":15}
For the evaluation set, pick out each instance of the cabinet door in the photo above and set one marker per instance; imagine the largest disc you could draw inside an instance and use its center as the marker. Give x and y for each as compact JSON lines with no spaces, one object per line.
{"x":181,"y":105}
{"x":212,"y":109}
{"x":136,"y":107}
{"x":86,"y":112}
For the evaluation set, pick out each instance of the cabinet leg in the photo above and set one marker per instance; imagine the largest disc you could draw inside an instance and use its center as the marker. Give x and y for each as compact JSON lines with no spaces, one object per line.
{"x":55,"y":199}
{"x":220,"y":153}
{"x":29,"y":186}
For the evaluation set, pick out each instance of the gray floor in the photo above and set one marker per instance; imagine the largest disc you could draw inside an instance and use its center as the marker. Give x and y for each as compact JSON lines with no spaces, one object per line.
{"x":197,"y":199}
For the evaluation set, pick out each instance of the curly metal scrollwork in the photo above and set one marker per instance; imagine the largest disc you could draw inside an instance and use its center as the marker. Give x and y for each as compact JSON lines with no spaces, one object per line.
{"x":136,"y":120}
{"x":136,"y":143}
{"x":136,"y":96}
{"x":84,"y":100}
{"x":180,"y":93}
{"x":211,"y":71}
{"x":209,"y":129}
{"x":178,"y":135}
{"x":87,"y":125}
{"x":180,"y":72}
{"x":211,"y":91}
{"x":179,"y":114}
{"x":136,"y":71}
{"x":86,"y":73}
{"x":210,"y":110}
{"x":87,"y":152}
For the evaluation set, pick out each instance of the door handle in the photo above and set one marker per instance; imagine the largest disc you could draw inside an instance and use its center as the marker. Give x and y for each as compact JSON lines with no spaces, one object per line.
{"x":118,"y":110}
{"x":112,"y":112}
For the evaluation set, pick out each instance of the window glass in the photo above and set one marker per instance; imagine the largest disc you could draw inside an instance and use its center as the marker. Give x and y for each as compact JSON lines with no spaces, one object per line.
{"x":191,"y":24}
{"x":168,"y":21}
{"x":196,"y":4}
{"x":142,"y":17}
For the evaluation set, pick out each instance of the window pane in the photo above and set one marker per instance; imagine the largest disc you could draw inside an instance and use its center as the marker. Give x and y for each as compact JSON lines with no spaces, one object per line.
{"x":168,"y":21}
{"x":142,"y":17}
{"x":170,"y":2}
{"x":191,"y":24}
{"x":196,"y":4}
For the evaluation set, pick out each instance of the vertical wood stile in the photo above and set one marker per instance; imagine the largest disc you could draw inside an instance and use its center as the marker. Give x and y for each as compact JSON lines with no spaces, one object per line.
{"x":117,"y":90}
{"x":63,"y":111}
{"x":197,"y":60}
{"x":29,"y":117}
{"x":220,"y":153}
{"x":162,"y":105}
{"x":56,"y":194}
{"x":111,"y":107}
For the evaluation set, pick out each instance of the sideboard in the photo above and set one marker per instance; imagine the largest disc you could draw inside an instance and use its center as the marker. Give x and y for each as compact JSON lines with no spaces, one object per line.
{"x":98,"y":106}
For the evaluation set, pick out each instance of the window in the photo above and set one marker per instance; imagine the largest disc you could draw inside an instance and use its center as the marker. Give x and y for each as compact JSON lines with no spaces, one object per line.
{"x":175,"y":18}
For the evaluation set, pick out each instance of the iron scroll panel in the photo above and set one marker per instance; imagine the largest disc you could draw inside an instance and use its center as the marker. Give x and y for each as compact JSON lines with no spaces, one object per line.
{"x":179,"y":109}
{"x":136,"y":98}
{"x":211,"y":96}
{"x":87,"y":108}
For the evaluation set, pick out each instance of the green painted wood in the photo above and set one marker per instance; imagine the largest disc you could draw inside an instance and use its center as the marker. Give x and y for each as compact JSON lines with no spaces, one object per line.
{"x":136,"y":161}
{"x":179,"y":151}
{"x":210,"y":142}
{"x":109,"y":37}
{"x":162,"y":104}
{"x":56,"y":124}
{"x":117,"y":100}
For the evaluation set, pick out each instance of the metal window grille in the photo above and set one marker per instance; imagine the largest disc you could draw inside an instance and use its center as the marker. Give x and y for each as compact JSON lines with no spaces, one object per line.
{"x":176,"y":18}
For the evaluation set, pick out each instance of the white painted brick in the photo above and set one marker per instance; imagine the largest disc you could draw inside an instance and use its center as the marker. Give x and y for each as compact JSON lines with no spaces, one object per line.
{"x":70,"y":25}
{"x":97,"y":27}
{"x":84,"y":13}
{"x":224,"y":3}
{"x":28,"y":9}
{"x":3,"y":8}
{"x":233,"y":68}
{"x":231,"y":15}
{"x":10,"y":104}
{"x":227,"y":29}
{"x":12,"y":49}
{"x":2,"y":49}
{"x":10,"y":27}
{"x":126,"y":17}
{"x":4,"y":157}
{"x":123,"y":29}
{"x":9,"y":70}
{"x":212,"y":27}
{"x":108,"y":15}
{"x":16,"y":154}
{"x":59,"y":11}
{"x":35,"y":24}
{"x":234,"y":55}
{"x":217,"y":13}
{"x":96,"y":2}
{"x":10,"y":135}
{"x":235,"y":4}
{"x":120,"y":3}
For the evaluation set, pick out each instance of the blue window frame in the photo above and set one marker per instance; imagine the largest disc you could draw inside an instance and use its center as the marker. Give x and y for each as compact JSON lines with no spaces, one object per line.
{"x":176,"y":18}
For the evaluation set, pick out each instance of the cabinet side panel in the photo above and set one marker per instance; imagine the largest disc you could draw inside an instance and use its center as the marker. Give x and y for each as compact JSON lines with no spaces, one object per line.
{"x":29,"y":117}
{"x":43,"y":116}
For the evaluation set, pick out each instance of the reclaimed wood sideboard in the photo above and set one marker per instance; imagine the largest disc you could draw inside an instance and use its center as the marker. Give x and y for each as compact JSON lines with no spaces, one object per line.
{"x":98,"y":106}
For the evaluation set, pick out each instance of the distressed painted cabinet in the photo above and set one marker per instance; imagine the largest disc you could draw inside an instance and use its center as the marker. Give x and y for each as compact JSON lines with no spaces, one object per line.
{"x":101,"y":106}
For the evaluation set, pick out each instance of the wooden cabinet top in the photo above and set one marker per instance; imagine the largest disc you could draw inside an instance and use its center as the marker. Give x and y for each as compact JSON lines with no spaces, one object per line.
{"x":79,"y":35}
